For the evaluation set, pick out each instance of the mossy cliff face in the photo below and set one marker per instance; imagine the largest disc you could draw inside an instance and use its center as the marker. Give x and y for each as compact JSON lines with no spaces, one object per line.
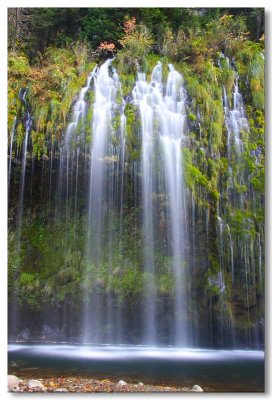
{"x":51,"y":87}
{"x":224,"y":241}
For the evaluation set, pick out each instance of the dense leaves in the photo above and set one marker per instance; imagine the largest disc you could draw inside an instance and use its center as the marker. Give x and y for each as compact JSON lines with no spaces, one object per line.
{"x":33,"y":29}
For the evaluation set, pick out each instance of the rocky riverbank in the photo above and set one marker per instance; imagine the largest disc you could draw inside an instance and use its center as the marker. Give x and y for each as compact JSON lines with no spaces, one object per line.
{"x":87,"y":385}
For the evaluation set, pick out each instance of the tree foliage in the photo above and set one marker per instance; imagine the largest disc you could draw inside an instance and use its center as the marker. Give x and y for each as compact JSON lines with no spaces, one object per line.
{"x":33,"y":29}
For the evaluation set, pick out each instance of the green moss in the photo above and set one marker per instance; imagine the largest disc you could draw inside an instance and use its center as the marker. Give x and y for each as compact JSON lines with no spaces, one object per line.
{"x":52,"y":87}
{"x":165,"y":284}
{"x":192,"y":117}
{"x":227,"y":78}
{"x":250,"y":64}
{"x":258,"y":181}
{"x":214,"y":194}
{"x":38,"y":143}
{"x":213,"y":290}
{"x":215,"y":136}
{"x":197,"y":177}
{"x":26,"y":279}
{"x":259,"y":118}
{"x":211,"y":276}
{"x":192,"y":175}
{"x":130,"y":113}
{"x":116,"y":122}
{"x":28,"y":289}
{"x":242,"y":224}
{"x":20,"y":134}
{"x":127,"y":83}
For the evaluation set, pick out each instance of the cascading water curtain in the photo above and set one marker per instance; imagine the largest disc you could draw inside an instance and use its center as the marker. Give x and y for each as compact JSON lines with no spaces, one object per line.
{"x":163,"y":106}
{"x":156,"y":261}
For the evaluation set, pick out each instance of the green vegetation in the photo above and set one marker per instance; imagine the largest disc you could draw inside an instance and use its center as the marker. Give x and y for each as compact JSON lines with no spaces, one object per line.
{"x":52,"y":86}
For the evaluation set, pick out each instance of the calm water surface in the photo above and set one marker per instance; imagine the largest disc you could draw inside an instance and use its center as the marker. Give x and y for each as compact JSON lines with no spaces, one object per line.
{"x":219,"y":370}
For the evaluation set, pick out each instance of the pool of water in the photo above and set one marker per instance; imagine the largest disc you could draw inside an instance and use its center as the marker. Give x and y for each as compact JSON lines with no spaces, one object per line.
{"x":219,"y":370}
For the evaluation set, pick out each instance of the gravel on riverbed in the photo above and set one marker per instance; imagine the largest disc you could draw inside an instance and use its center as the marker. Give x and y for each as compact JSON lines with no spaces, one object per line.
{"x":87,"y":385}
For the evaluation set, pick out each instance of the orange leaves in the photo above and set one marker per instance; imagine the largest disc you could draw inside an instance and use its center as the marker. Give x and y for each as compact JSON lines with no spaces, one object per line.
{"x":136,"y":44}
{"x":105,"y":49}
{"x":130,"y":25}
{"x":106,"y":46}
{"x":130,"y":29}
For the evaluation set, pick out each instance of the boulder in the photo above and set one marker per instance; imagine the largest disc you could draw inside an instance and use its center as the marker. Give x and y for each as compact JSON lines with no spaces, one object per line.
{"x":13,"y":382}
{"x":196,"y":388}
{"x":122,"y":383}
{"x":140,"y":384}
{"x":33,"y":383}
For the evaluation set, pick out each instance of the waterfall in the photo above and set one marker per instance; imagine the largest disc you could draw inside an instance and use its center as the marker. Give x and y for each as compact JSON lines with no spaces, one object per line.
{"x":226,"y":322}
{"x":237,"y":128}
{"x":13,"y":297}
{"x":79,"y":111}
{"x":69,"y":150}
{"x":28,"y":124}
{"x":236,"y":123}
{"x":102,"y":165}
{"x":142,"y":94}
{"x":147,"y":247}
{"x":52,"y":148}
{"x":167,"y":110}
{"x":105,"y":91}
{"x":231,"y":254}
{"x":76,"y":183}
{"x":122,"y":157}
{"x":10,"y":150}
{"x":172,"y":133}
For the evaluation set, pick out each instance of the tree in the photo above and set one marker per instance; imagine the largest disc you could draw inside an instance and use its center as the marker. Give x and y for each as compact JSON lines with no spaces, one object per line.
{"x":18,"y":27}
{"x":99,"y":25}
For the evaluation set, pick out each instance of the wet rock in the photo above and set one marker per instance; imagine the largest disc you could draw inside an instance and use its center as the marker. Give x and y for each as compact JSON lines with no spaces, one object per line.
{"x":33,"y":383}
{"x":128,"y":99}
{"x":24,"y":334}
{"x":122,"y":383}
{"x":13,"y":382}
{"x":47,"y":330}
{"x":217,"y":282}
{"x":49,"y":333}
{"x":18,"y":389}
{"x":196,"y":388}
